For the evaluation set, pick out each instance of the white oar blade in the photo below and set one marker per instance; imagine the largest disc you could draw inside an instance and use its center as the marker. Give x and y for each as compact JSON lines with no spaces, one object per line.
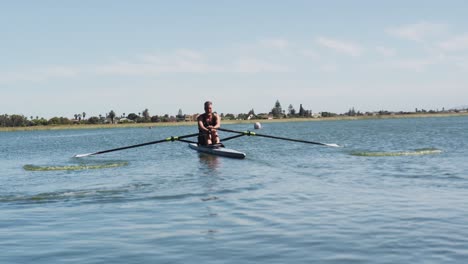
{"x":82,"y":155}
{"x":333,"y":145}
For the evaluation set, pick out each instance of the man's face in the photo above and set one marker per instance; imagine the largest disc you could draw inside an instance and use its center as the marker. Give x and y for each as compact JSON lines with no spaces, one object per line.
{"x":208,"y":108}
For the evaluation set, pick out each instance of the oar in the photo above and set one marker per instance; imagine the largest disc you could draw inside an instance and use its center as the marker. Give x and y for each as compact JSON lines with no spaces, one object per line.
{"x":249,"y":133}
{"x":233,"y":137}
{"x":138,"y":145}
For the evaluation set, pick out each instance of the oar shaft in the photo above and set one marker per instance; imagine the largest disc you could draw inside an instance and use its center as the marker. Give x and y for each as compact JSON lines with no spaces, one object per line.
{"x":288,"y":139}
{"x":186,"y":141}
{"x":180,"y":138}
{"x":232,"y":131}
{"x":233,"y":137}
{"x":248,"y":133}
{"x":129,"y":147}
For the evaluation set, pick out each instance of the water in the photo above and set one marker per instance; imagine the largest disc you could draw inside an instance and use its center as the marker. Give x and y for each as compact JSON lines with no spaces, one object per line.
{"x":395,"y":193}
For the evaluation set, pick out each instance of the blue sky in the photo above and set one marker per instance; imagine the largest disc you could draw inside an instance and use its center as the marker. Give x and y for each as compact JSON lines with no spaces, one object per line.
{"x":58,"y":58}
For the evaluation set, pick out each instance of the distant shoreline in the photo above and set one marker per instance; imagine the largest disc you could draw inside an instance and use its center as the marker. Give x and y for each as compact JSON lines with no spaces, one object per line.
{"x":193,"y":123}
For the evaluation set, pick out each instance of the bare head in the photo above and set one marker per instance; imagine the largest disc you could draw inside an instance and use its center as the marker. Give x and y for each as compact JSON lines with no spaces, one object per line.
{"x":208,"y":107}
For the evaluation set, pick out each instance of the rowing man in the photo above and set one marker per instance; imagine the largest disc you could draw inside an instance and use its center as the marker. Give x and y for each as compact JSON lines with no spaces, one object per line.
{"x":207,"y":125}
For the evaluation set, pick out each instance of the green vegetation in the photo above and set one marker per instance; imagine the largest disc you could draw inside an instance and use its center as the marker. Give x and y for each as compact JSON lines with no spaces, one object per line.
{"x":144,"y":118}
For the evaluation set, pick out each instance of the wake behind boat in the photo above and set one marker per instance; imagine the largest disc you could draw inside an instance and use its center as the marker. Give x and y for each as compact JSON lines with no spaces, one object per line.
{"x":218,"y":150}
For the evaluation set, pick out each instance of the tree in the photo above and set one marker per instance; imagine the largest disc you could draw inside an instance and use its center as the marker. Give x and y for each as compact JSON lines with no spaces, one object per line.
{"x":132,"y":116}
{"x":351,"y":112}
{"x":301,"y":111}
{"x":155,"y":119}
{"x":179,"y":114}
{"x":84,"y":115}
{"x":277,"y":110}
{"x":59,"y":121}
{"x":146,"y":115}
{"x":93,"y":120}
{"x":291,"y":110}
{"x":111,"y":116}
{"x":242,"y":116}
{"x":165,"y":118}
{"x":328,"y":114}
{"x":229,"y":117}
{"x":15,"y":120}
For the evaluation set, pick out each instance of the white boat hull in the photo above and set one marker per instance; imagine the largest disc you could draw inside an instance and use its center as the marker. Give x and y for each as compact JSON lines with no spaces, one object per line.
{"x":218,"y":151}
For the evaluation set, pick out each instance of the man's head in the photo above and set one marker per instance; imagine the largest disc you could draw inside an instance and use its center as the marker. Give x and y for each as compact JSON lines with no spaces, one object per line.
{"x":208,"y":107}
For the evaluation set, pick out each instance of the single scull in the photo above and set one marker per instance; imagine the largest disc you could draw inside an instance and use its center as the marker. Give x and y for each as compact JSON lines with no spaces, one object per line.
{"x":218,"y":150}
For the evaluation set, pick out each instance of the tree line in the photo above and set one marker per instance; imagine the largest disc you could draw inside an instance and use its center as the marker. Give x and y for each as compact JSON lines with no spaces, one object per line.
{"x":277,"y":111}
{"x":16,"y":120}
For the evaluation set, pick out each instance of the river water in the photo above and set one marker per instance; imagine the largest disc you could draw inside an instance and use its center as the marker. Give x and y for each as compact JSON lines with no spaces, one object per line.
{"x":395,"y":192}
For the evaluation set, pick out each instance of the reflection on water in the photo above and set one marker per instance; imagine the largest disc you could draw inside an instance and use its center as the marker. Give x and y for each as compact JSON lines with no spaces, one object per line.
{"x":210,"y":161}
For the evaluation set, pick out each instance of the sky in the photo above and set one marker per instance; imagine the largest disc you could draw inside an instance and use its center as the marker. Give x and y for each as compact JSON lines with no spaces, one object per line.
{"x":60,"y":58}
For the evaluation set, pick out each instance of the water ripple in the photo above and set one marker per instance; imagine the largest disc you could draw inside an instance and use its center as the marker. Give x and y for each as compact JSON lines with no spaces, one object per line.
{"x":416,"y":152}
{"x":30,"y":167}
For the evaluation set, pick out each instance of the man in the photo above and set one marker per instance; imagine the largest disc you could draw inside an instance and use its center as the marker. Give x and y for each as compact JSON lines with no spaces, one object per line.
{"x":207,"y":125}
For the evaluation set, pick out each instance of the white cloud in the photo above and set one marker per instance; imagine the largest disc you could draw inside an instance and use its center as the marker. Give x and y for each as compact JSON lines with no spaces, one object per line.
{"x":40,"y":74}
{"x":329,"y":67}
{"x":461,"y":63}
{"x":182,"y":60}
{"x":127,"y":68}
{"x":186,"y":61}
{"x":340,"y":46}
{"x":275,"y":43}
{"x":179,"y":61}
{"x":387,"y":52}
{"x":250,"y":65}
{"x":310,"y":54}
{"x":455,"y":44}
{"x":177,"y":55}
{"x":138,"y":68}
{"x":189,"y":54}
{"x":416,"y":65}
{"x":418,"y":31}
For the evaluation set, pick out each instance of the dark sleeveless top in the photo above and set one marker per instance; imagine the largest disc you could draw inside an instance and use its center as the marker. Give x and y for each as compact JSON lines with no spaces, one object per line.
{"x":207,"y":122}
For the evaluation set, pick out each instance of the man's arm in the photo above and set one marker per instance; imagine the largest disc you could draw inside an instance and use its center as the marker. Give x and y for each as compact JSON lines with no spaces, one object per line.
{"x":218,"y":122}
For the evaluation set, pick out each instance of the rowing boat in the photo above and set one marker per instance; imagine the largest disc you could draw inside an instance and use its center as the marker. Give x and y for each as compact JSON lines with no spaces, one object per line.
{"x":218,"y":150}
